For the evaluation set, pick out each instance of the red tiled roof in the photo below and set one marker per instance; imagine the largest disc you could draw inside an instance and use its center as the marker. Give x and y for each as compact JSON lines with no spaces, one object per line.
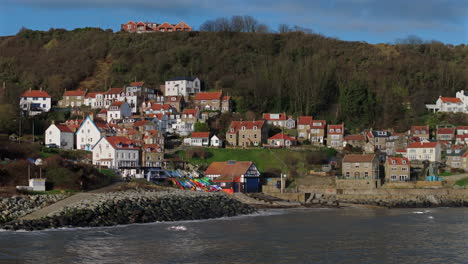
{"x":35,"y":93}
{"x":228,"y":172}
{"x":269,"y":116}
{"x":304,"y":120}
{"x":208,"y":96}
{"x":152,"y":148}
{"x":151,"y":133}
{"x":398,"y":161}
{"x":423,"y":145}
{"x":117,"y":103}
{"x":237,"y":125}
{"x":401,"y":151}
{"x":103,"y":111}
{"x":190,"y":111}
{"x":74,"y":93}
{"x":226,"y":98}
{"x":63,"y":128}
{"x":92,"y":95}
{"x":446,"y":131}
{"x":462,"y":127}
{"x":140,"y":123}
{"x":137,"y":84}
{"x":115,"y":91}
{"x":159,"y":107}
{"x":125,"y":142}
{"x":419,"y":128}
{"x":355,"y":137}
{"x":200,"y":135}
{"x":158,"y":116}
{"x":359,"y":158}
{"x":462,"y":136}
{"x":335,"y":127}
{"x":282,"y":136}
{"x":453,"y":100}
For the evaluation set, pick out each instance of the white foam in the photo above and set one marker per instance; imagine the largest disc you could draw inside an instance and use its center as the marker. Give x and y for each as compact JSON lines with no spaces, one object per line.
{"x":177,"y":228}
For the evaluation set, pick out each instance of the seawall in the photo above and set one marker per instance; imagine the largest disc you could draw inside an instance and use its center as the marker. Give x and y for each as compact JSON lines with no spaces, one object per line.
{"x":117,"y":208}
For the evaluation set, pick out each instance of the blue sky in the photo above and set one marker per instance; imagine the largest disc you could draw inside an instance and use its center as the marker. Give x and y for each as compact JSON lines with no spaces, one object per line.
{"x":373,"y":21}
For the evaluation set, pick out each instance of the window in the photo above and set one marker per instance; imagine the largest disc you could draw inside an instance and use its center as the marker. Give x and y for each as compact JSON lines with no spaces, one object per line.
{"x":255,"y":128}
{"x":332,"y":130}
{"x":366,"y":174}
{"x":393,"y":161}
{"x":347,"y":166}
{"x":347,"y":174}
{"x":356,"y":164}
{"x":44,"y":105}
{"x":243,"y":128}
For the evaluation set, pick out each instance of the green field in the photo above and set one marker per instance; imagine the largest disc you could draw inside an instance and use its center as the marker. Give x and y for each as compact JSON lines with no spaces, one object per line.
{"x":267,"y":159}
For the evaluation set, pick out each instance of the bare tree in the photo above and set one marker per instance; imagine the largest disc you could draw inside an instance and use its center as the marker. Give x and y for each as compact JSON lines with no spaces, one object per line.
{"x":284,"y":28}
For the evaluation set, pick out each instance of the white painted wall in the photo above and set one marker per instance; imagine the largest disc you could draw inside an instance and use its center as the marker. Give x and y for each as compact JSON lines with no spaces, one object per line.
{"x":87,"y":135}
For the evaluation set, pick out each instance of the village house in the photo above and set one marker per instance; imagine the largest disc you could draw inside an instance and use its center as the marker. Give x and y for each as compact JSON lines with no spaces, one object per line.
{"x":89,"y":133}
{"x":246,"y":133}
{"x":335,"y":136}
{"x":397,"y":169}
{"x":356,"y":140}
{"x":152,"y":155}
{"x":312,"y":130}
{"x":116,"y":152}
{"x":35,"y":102}
{"x":216,"y":141}
{"x":184,"y":86}
{"x":462,"y":130}
{"x":281,"y":140}
{"x":454,"y":158}
{"x":118,"y":110}
{"x":210,"y":101}
{"x":160,"y":109}
{"x":421,"y":151}
{"x":235,"y":176}
{"x":154,"y":137}
{"x":142,"y":91}
{"x":360,"y":166}
{"x":279,"y":120}
{"x":461,"y":139}
{"x":378,"y":139}
{"x":200,"y":139}
{"x":177,"y":102}
{"x":445,"y":134}
{"x":226,"y":106}
{"x":396,"y":141}
{"x":73,"y":98}
{"x":59,"y":135}
{"x":148,"y":27}
{"x":190,"y":116}
{"x":449,"y":105}
{"x":94,"y":100}
{"x":421,"y":132}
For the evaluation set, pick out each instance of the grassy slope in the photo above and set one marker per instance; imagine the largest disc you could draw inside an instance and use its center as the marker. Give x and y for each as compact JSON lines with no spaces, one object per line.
{"x":265,"y":159}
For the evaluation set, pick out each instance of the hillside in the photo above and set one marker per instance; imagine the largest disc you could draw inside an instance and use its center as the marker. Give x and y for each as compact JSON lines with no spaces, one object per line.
{"x":358,"y":83}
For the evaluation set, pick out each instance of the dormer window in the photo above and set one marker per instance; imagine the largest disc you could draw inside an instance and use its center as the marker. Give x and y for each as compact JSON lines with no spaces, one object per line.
{"x":232,"y":129}
{"x":255,"y":128}
{"x":393,"y":162}
{"x":338,"y":130}
{"x":404,"y":161}
{"x":243,"y":128}
{"x":332,"y":130}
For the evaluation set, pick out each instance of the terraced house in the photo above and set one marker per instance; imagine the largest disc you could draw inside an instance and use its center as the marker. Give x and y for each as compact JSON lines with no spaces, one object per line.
{"x":360,"y":166}
{"x":397,"y":169}
{"x":73,"y":98}
{"x":312,"y":130}
{"x":210,"y":101}
{"x":335,"y":136}
{"x":246,"y":133}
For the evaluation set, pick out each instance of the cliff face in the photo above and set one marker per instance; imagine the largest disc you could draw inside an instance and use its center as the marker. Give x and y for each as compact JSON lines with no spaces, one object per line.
{"x":358,"y":83}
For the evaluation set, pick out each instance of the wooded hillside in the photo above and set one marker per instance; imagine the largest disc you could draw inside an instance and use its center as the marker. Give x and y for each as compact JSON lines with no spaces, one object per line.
{"x":360,"y":84}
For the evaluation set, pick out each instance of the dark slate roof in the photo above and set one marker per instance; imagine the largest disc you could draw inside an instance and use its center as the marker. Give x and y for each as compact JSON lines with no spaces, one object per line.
{"x":381,"y":133}
{"x":183,"y":79}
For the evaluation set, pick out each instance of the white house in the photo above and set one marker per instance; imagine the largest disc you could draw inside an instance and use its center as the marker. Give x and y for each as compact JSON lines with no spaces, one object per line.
{"x":89,"y":133}
{"x":450,"y":104}
{"x":430,"y":151}
{"x":35,"y":102}
{"x":200,"y":139}
{"x":60,"y":135}
{"x":280,"y":120}
{"x":118,"y":110}
{"x":94,"y":100}
{"x":215,"y":141}
{"x":116,"y":152}
{"x":184,"y":86}
{"x":181,"y":128}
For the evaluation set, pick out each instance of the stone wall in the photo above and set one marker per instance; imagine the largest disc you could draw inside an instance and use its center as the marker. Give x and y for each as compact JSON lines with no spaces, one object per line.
{"x":357,"y":184}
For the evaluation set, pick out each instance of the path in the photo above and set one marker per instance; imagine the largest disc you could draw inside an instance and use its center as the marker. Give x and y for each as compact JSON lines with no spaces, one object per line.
{"x":58,"y":205}
{"x":69,"y":201}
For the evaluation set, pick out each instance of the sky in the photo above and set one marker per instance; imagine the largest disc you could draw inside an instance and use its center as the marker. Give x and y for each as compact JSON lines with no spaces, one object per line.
{"x":372,"y":21}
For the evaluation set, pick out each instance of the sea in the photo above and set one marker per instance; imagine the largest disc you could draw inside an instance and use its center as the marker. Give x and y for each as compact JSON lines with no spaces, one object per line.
{"x":349,"y":235}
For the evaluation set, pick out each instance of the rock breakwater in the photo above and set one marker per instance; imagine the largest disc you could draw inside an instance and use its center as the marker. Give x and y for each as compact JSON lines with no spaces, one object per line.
{"x":129,"y":207}
{"x":416,"y":201}
{"x":17,"y":206}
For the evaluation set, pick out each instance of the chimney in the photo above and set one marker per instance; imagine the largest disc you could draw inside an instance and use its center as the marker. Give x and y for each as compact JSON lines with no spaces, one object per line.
{"x":52,"y":122}
{"x":91,"y":116}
